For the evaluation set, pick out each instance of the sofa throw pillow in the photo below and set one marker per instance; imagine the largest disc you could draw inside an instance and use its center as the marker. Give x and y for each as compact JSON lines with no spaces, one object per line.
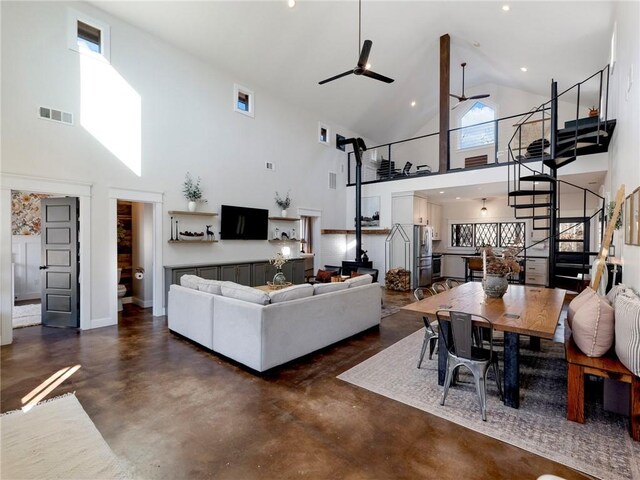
{"x":320,"y":288}
{"x":355,"y":274}
{"x":291,"y":293}
{"x":247,"y":294}
{"x":211,"y":286}
{"x":324,"y":276}
{"x":577,"y":302}
{"x":614,"y":292}
{"x":365,"y":279}
{"x":593,"y":326}
{"x":190,"y":281}
{"x":628,"y":330}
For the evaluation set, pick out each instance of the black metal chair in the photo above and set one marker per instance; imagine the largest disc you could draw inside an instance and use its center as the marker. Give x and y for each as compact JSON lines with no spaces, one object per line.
{"x":462,"y":352}
{"x":371,"y":271}
{"x":452,"y":282}
{"x":430,"y":334}
{"x":439,"y":287}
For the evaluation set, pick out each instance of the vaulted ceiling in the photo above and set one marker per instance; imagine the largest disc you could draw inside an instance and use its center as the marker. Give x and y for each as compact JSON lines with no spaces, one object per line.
{"x":267,"y":46}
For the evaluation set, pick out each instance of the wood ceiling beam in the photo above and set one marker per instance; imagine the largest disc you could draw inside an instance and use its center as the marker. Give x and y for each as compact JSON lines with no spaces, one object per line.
{"x":445,"y":74}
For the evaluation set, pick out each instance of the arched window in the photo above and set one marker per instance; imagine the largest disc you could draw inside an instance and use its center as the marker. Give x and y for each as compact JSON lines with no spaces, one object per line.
{"x":481,"y":135}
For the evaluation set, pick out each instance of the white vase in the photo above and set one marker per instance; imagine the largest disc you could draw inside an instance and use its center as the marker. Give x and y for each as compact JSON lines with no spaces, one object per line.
{"x":284,"y":213}
{"x":192,"y":206}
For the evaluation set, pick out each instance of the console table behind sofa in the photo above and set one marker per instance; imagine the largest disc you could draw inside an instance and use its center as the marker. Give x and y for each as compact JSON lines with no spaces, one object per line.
{"x":254,"y":273}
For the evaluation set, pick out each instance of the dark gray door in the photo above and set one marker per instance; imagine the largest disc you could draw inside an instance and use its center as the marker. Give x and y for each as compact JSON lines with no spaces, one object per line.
{"x":59,"y":268}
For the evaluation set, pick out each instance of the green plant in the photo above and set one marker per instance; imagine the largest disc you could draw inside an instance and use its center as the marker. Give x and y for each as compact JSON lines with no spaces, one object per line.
{"x":610,"y":209}
{"x":191,"y":189}
{"x":283,"y":203}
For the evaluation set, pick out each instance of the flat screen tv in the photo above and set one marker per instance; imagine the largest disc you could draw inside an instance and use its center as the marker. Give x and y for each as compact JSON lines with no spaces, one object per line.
{"x":241,"y":223}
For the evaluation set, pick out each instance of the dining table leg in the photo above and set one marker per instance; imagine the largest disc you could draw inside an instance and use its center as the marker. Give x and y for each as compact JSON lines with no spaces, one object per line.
{"x":512,"y":369}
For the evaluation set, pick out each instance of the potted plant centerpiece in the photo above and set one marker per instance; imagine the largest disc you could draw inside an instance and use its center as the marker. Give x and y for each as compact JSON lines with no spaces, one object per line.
{"x":192,"y":192}
{"x":497,"y":270}
{"x":283,"y":203}
{"x":278,"y":261}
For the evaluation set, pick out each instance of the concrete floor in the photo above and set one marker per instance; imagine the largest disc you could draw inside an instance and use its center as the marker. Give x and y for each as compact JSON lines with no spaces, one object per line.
{"x":172,"y":410}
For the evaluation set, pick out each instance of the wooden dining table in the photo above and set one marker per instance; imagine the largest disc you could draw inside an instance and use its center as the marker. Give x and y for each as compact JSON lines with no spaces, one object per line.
{"x":523,"y":310}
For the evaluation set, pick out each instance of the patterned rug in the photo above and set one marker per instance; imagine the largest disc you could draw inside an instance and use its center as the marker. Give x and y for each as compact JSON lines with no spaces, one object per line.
{"x":600,"y":447}
{"x":388,"y":310}
{"x":26,"y":315}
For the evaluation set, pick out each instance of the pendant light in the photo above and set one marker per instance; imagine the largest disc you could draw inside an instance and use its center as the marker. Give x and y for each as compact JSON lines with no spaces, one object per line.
{"x":483,"y":210}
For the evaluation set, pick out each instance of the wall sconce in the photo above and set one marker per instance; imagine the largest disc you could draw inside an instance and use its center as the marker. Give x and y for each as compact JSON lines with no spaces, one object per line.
{"x":483,"y":210}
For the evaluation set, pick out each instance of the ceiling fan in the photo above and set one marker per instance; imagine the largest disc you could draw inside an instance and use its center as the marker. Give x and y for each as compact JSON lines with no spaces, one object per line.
{"x":462,"y":98}
{"x":362,"y":67}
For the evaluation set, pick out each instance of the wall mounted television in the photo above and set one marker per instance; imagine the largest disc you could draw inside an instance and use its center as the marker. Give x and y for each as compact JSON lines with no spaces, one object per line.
{"x":242,"y":223}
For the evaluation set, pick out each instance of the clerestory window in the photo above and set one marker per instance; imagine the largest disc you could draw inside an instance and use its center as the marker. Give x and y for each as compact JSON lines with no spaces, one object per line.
{"x":473,"y":135}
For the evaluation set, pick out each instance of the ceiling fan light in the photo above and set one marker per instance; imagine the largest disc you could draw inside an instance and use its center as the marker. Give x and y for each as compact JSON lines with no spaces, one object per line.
{"x":367,"y":66}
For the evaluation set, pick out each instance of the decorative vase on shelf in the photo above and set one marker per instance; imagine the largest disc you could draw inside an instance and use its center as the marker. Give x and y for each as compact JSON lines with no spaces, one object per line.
{"x":192,"y":206}
{"x":495,"y":285}
{"x":284,"y":213}
{"x":279,"y":278}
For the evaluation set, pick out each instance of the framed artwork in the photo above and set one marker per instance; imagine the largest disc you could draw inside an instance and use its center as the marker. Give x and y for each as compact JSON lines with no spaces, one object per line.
{"x":635,"y":217}
{"x":628,"y":208}
{"x":370,"y":213}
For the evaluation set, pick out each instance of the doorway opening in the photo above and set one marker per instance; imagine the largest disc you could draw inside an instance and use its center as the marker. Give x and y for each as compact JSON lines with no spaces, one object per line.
{"x":135,"y":254}
{"x":310,"y":239}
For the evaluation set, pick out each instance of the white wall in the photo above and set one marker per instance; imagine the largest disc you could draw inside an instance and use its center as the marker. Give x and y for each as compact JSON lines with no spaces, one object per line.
{"x":624,"y":151}
{"x":186,"y":124}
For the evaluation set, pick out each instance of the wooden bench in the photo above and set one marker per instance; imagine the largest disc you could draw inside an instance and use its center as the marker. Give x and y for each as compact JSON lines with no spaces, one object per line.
{"x":606,"y":367}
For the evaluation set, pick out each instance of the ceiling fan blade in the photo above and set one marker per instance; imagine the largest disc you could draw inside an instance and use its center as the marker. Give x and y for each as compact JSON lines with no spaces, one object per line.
{"x":349,"y":72}
{"x":458,"y":104}
{"x":377,"y":76}
{"x":476,"y":97}
{"x":461,"y":99}
{"x":364,"y":54}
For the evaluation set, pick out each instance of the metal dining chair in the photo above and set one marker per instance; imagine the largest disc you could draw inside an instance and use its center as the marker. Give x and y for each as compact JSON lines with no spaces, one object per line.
{"x":462,"y":352}
{"x":452,"y":282}
{"x":439,"y":287}
{"x":430,"y":333}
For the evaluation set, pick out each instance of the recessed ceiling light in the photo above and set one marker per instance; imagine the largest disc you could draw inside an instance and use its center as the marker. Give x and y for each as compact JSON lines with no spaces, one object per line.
{"x":506,"y":8}
{"x":476,"y":44}
{"x":413,"y":104}
{"x":367,"y":66}
{"x":441,"y":191}
{"x":457,"y":198}
{"x":291,"y":3}
{"x":536,"y":183}
{"x":523,"y":69}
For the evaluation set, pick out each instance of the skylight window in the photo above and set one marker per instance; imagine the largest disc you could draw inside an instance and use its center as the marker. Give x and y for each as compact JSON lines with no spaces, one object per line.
{"x":475,"y":135}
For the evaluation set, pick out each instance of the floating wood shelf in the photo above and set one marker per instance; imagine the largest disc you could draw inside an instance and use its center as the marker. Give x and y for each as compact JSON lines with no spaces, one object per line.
{"x":380,"y":231}
{"x":199,"y":214}
{"x":195,"y":242}
{"x":285,"y":219}
{"x":294,"y":240}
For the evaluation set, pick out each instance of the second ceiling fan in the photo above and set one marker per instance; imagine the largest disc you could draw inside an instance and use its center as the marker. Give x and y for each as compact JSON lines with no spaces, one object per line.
{"x":462,"y":98}
{"x":362,"y":67}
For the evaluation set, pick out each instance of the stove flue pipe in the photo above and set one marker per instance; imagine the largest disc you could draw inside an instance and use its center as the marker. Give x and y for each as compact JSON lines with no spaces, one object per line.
{"x":358,"y":147}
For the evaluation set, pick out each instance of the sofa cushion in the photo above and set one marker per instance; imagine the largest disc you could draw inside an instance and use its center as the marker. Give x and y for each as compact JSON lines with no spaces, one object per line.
{"x":211,"y":286}
{"x":577,"y":302}
{"x":614,"y":292}
{"x":365,"y":279}
{"x":242,"y":292}
{"x":324,"y":276}
{"x":628,"y":330}
{"x":593,"y":326}
{"x":320,"y":288}
{"x":190,"y":281}
{"x":291,"y":293}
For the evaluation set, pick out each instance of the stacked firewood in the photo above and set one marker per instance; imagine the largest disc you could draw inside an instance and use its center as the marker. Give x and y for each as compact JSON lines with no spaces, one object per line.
{"x":398,"y":279}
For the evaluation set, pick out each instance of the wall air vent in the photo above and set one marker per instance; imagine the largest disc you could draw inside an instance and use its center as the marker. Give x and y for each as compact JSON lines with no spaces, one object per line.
{"x":332,"y":180}
{"x":55,"y":115}
{"x":270,"y":165}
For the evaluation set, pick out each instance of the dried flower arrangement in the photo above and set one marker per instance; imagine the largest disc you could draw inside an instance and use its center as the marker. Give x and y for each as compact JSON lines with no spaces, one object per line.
{"x":502,"y":265}
{"x":278,"y":260}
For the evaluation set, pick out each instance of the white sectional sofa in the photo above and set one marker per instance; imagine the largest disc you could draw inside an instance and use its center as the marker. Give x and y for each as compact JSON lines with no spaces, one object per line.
{"x":262,"y":330}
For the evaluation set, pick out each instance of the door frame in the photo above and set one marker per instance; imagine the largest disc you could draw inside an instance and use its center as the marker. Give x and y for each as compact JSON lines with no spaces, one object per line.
{"x":157,"y":201}
{"x":10,"y":182}
{"x":317,"y":214}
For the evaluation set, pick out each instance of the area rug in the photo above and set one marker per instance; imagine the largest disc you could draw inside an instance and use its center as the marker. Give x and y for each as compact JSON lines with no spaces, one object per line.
{"x":388,"y":310}
{"x":55,"y":439}
{"x":26,"y":315}
{"x":600,"y":447}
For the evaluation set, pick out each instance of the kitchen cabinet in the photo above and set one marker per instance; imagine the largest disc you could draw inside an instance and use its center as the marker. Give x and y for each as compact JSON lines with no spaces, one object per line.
{"x":409,"y":210}
{"x":435,"y":219}
{"x":536,"y":271}
{"x":240,"y":273}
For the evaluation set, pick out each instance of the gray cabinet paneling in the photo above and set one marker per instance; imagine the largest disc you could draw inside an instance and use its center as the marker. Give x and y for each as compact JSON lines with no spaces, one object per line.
{"x":228,"y":273}
{"x":210,"y":273}
{"x":243,"y":275}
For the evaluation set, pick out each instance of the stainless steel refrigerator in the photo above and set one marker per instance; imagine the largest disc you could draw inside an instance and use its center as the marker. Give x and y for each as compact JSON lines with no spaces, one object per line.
{"x":422,"y":256}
